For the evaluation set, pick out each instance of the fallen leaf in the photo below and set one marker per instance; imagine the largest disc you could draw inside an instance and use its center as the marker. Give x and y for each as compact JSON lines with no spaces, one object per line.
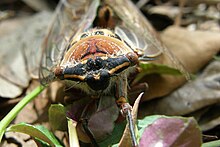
{"x":102,"y":122}
{"x":126,"y":138}
{"x":187,"y":47}
{"x":210,"y":118}
{"x":14,"y":48}
{"x":171,"y":131}
{"x":39,"y":132}
{"x":193,"y":96}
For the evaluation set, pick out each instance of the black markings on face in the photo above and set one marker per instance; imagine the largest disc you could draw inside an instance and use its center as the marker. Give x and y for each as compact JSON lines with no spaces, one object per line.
{"x":96,"y":64}
{"x":114,"y":64}
{"x":97,"y":72}
{"x":74,"y":72}
{"x":98,"y":80}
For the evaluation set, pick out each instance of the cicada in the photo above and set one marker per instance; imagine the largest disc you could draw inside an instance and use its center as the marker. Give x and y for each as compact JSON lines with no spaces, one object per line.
{"x":95,"y":45}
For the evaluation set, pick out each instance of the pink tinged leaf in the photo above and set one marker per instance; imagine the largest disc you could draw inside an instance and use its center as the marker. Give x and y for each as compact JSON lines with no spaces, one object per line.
{"x":167,"y":132}
{"x":102,"y":122}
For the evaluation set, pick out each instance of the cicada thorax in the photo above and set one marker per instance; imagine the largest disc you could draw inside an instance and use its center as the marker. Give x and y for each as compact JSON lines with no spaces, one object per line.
{"x":94,"y":59}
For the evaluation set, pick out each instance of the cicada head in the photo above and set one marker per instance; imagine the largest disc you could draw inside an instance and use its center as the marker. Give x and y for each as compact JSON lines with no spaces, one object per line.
{"x":94,"y":58}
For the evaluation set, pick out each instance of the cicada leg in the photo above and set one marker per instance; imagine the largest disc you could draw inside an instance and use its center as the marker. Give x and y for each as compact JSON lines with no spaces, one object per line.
{"x":84,"y":121}
{"x":126,"y":108}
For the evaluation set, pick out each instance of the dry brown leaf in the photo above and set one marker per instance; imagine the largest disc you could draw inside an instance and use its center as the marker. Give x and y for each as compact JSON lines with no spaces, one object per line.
{"x":24,"y":41}
{"x":210,"y":118}
{"x":193,"y":49}
{"x":18,"y":139}
{"x":188,"y":46}
{"x":11,"y":25}
{"x":39,"y":5}
{"x":166,"y":10}
{"x":193,"y":96}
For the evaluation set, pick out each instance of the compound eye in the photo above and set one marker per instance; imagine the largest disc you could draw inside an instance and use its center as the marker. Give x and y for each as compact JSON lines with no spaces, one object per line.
{"x":133,"y":58}
{"x":58,"y":71}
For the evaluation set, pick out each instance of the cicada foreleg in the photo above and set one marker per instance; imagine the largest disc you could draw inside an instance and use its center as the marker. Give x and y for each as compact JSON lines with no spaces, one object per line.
{"x":84,"y":120}
{"x":126,"y":108}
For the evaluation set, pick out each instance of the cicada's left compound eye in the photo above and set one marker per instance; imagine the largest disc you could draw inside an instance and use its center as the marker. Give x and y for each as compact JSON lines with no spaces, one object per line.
{"x":58,"y":72}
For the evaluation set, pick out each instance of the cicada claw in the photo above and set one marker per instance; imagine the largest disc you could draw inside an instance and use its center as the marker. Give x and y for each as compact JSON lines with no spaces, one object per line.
{"x":125,"y":107}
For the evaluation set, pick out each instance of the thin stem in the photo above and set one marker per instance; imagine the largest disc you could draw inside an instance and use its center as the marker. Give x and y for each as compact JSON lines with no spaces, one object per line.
{"x":14,"y":112}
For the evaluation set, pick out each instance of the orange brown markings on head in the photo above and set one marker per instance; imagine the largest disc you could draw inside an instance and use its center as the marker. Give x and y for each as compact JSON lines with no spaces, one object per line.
{"x":98,"y":45}
{"x":119,"y":45}
{"x":113,"y":70}
{"x":90,"y":45}
{"x":75,"y":52}
{"x":92,"y":49}
{"x":81,"y":78}
{"x":92,"y":56}
{"x":106,"y":46}
{"x":113,"y":45}
{"x":79,"y":50}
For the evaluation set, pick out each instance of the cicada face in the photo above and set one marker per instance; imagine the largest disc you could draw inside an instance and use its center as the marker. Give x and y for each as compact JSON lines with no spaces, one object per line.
{"x":94,"y":58}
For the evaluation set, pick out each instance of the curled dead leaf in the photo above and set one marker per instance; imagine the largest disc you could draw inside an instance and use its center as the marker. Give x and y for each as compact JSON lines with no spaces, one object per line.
{"x":126,"y":138}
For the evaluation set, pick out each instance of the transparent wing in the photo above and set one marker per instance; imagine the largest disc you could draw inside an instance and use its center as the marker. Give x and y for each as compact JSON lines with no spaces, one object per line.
{"x":71,"y":18}
{"x":134,"y":28}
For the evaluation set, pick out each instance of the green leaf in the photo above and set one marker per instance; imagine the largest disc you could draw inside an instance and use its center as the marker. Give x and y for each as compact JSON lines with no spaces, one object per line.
{"x":217,"y":58}
{"x":152,"y":68}
{"x":57,"y":117}
{"x":215,"y":143}
{"x":143,"y":123}
{"x":39,"y":132}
